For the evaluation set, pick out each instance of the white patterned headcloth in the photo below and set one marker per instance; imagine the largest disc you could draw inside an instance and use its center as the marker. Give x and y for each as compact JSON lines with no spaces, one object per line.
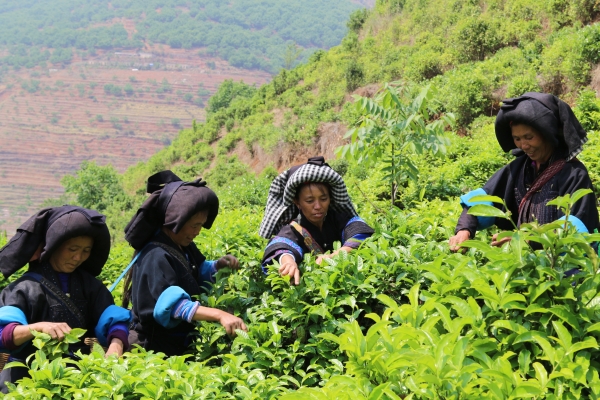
{"x":280,"y":207}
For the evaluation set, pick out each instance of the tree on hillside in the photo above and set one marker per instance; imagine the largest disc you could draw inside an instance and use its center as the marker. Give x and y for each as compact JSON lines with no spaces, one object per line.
{"x":228,"y":91}
{"x":394,"y":128}
{"x":94,"y":186}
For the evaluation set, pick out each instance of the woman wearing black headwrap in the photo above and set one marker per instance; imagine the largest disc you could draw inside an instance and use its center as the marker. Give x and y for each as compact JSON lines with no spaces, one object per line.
{"x":308,"y":209}
{"x":66,"y":248}
{"x":545,"y":137}
{"x":170,"y":269}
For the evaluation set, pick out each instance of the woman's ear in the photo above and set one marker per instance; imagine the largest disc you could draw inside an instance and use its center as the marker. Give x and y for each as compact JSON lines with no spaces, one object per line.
{"x":38,"y":252}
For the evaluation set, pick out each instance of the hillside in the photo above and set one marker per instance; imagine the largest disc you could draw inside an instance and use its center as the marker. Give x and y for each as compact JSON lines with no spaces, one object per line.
{"x":112,"y":84}
{"x":245,"y":33}
{"x":473,"y":54}
{"x":99,"y":109}
{"x":402,"y":316}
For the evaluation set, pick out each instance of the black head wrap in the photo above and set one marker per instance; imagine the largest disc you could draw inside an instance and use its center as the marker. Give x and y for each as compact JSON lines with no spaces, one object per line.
{"x":280,"y":207}
{"x":549,"y":115}
{"x":52,"y":227}
{"x":172,"y":202}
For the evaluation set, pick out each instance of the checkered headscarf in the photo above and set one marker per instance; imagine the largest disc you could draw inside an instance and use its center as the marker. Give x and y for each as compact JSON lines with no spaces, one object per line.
{"x":280,"y":207}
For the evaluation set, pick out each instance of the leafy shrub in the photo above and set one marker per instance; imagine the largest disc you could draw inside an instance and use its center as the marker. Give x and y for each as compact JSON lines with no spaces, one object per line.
{"x":522,"y":84}
{"x":227,"y":92}
{"x":587,"y":110}
{"x":357,"y":19}
{"x":466,"y":92}
{"x":474,"y":38}
{"x":354,"y":75}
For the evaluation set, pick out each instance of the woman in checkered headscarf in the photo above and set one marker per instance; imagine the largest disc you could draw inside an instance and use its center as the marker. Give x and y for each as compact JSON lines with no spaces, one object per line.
{"x":308,"y":209}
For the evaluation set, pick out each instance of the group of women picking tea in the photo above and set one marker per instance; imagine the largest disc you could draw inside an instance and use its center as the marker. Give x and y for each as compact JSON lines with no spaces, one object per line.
{"x":307,"y":211}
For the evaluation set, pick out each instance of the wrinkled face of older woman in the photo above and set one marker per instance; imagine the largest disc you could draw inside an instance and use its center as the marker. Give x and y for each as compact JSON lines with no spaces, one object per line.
{"x":313,"y":201}
{"x":190,"y":230}
{"x":71,"y":254}
{"x":532,"y":143}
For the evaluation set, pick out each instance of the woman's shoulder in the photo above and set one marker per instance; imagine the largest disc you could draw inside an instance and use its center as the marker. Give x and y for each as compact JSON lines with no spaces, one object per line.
{"x":576,"y":164}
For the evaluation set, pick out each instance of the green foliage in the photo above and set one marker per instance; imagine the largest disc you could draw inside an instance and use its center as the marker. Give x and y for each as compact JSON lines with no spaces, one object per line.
{"x":114,"y":90}
{"x":357,"y":19}
{"x":226,"y":93}
{"x":475,"y":38}
{"x":401,"y":317}
{"x":94,"y":186}
{"x":587,"y":110}
{"x":396,"y":127}
{"x":245,"y":33}
{"x":226,"y":170}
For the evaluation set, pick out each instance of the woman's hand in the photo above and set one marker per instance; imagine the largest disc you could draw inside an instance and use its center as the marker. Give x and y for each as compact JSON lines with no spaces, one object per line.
{"x":320,"y":258}
{"x":498,"y":243}
{"x":228,"y":261}
{"x":56,"y":330}
{"x":456,"y":240}
{"x":231,"y":323}
{"x":289,"y":268}
{"x":115,"y":348}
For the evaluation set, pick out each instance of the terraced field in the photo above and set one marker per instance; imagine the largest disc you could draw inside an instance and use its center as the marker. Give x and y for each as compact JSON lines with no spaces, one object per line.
{"x":52,"y":119}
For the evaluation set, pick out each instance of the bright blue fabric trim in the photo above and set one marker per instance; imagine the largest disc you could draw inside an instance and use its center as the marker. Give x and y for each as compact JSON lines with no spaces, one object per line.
{"x":185,"y":310}
{"x":350,"y":221}
{"x":111,"y":315}
{"x":465,"y":201}
{"x":361,"y":236}
{"x":10,"y":314}
{"x":355,"y":219}
{"x":291,"y":243}
{"x":165,"y":304}
{"x":577,"y":223}
{"x":207,"y":271}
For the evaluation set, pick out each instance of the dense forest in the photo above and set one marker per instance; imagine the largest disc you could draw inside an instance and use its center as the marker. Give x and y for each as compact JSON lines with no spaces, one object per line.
{"x":402,"y":317}
{"x":267,"y":35}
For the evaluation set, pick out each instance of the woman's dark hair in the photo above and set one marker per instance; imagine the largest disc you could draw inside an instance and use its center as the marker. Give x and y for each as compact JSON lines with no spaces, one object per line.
{"x":321,"y":185}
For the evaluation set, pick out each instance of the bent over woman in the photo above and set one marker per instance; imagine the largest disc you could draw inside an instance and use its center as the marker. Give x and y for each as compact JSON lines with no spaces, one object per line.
{"x":545,"y":137}
{"x":66,"y":248}
{"x":170,"y":269}
{"x":308,"y":209}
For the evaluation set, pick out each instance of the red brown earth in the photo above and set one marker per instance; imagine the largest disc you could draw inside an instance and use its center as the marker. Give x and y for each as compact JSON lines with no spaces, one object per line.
{"x":47,"y":134}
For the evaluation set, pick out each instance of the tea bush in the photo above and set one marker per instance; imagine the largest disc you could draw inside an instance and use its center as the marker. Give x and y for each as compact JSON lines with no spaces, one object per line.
{"x":399,"y":318}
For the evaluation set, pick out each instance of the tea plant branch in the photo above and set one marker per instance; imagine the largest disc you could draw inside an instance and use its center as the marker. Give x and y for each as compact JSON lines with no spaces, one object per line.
{"x":379,"y":210}
{"x":395,"y":126}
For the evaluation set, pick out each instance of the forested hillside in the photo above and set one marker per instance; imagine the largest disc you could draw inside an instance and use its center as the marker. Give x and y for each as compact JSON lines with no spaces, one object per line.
{"x":246,"y":33}
{"x":114,"y":82}
{"x":472,"y":54}
{"x":402,"y":317}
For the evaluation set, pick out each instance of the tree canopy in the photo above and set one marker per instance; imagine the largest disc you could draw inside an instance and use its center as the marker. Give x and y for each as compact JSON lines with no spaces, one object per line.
{"x":247,"y":33}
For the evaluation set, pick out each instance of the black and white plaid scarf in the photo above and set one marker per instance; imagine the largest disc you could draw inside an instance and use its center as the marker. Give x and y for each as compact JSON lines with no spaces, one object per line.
{"x":280,"y":207}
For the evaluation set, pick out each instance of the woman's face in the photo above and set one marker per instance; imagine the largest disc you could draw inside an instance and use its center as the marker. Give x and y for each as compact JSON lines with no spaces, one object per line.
{"x":313,"y":201}
{"x":71,"y":254}
{"x":190,"y":230}
{"x":532,"y":143}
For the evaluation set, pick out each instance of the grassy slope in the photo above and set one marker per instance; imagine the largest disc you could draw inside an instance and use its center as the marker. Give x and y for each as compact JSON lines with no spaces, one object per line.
{"x":475,"y":53}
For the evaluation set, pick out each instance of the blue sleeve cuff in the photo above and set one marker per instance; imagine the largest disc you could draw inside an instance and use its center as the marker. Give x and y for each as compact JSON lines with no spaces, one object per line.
{"x":465,"y":201}
{"x":577,"y":223}
{"x":207,"y":271}
{"x":112,"y":315}
{"x":165,"y":304}
{"x":10,"y":314}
